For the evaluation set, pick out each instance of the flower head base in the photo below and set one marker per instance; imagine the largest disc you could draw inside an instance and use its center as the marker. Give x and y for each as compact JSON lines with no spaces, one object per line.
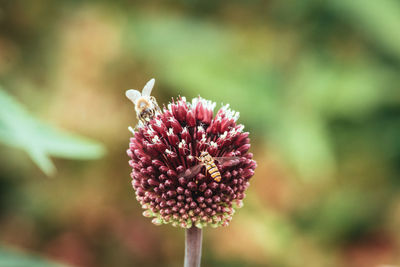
{"x":169,"y":146}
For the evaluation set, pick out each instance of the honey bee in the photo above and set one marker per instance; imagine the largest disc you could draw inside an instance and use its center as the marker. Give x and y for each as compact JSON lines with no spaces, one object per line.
{"x":205,"y":159}
{"x":146,"y":106}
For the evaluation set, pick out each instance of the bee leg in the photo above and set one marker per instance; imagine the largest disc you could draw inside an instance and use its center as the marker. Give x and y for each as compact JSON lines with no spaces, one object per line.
{"x":156,"y":106}
{"x":141,"y":118}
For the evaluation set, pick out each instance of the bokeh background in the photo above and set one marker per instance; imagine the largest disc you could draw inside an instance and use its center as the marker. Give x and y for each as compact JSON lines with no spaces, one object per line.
{"x":317,"y":85}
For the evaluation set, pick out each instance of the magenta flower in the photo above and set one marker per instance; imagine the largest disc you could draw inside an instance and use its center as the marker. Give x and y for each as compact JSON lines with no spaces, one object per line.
{"x":165,"y":152}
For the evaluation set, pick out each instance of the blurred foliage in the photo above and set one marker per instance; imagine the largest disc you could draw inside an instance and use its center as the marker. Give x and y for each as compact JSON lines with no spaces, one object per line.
{"x":377,"y":20}
{"x":13,"y":259}
{"x":219,"y":63}
{"x":20,"y":129}
{"x":317,"y":86}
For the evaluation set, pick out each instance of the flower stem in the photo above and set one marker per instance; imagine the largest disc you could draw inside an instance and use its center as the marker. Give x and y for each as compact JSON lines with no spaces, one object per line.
{"x":193,"y":241}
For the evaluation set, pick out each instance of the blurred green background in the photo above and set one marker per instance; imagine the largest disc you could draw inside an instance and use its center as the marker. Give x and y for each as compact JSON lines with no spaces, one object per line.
{"x":316,"y":83}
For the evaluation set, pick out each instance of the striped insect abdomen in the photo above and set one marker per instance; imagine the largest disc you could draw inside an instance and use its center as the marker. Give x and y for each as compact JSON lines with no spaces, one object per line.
{"x":213,"y":171}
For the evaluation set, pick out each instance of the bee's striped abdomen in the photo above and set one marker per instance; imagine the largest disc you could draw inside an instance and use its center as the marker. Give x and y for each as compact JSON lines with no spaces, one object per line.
{"x":213,"y":171}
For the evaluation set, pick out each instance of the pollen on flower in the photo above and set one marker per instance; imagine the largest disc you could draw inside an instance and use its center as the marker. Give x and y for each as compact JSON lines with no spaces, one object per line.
{"x":229,"y":113}
{"x":155,"y":139}
{"x":213,"y":144}
{"x":182,"y":144}
{"x":208,"y":104}
{"x":158,"y":122}
{"x":164,"y":156}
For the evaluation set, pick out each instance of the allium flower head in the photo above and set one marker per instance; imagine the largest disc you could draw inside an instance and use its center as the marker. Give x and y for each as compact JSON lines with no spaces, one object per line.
{"x":164,"y":149}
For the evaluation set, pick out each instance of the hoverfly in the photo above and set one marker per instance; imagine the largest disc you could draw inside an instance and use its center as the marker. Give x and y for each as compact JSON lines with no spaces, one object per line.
{"x":205,"y":159}
{"x":146,"y":106}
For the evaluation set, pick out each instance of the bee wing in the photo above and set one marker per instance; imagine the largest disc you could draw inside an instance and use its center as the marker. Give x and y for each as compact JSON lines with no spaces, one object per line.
{"x":228,"y":160}
{"x":148,"y":87}
{"x":132,"y":95}
{"x":191,"y":172}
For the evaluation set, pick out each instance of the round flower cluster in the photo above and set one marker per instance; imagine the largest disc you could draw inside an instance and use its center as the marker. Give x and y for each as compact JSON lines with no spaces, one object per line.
{"x":165,"y":149}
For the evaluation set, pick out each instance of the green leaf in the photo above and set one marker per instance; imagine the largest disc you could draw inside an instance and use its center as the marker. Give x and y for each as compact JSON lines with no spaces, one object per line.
{"x":15,"y":259}
{"x":20,"y":129}
{"x":67,"y":145}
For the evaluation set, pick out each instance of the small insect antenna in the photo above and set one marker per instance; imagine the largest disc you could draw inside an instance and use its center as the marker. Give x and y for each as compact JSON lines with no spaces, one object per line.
{"x":208,"y":143}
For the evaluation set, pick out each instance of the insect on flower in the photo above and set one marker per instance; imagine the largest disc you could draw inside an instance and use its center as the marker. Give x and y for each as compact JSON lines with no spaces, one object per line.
{"x":146,"y":106}
{"x":205,"y":159}
{"x":168,"y":153}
